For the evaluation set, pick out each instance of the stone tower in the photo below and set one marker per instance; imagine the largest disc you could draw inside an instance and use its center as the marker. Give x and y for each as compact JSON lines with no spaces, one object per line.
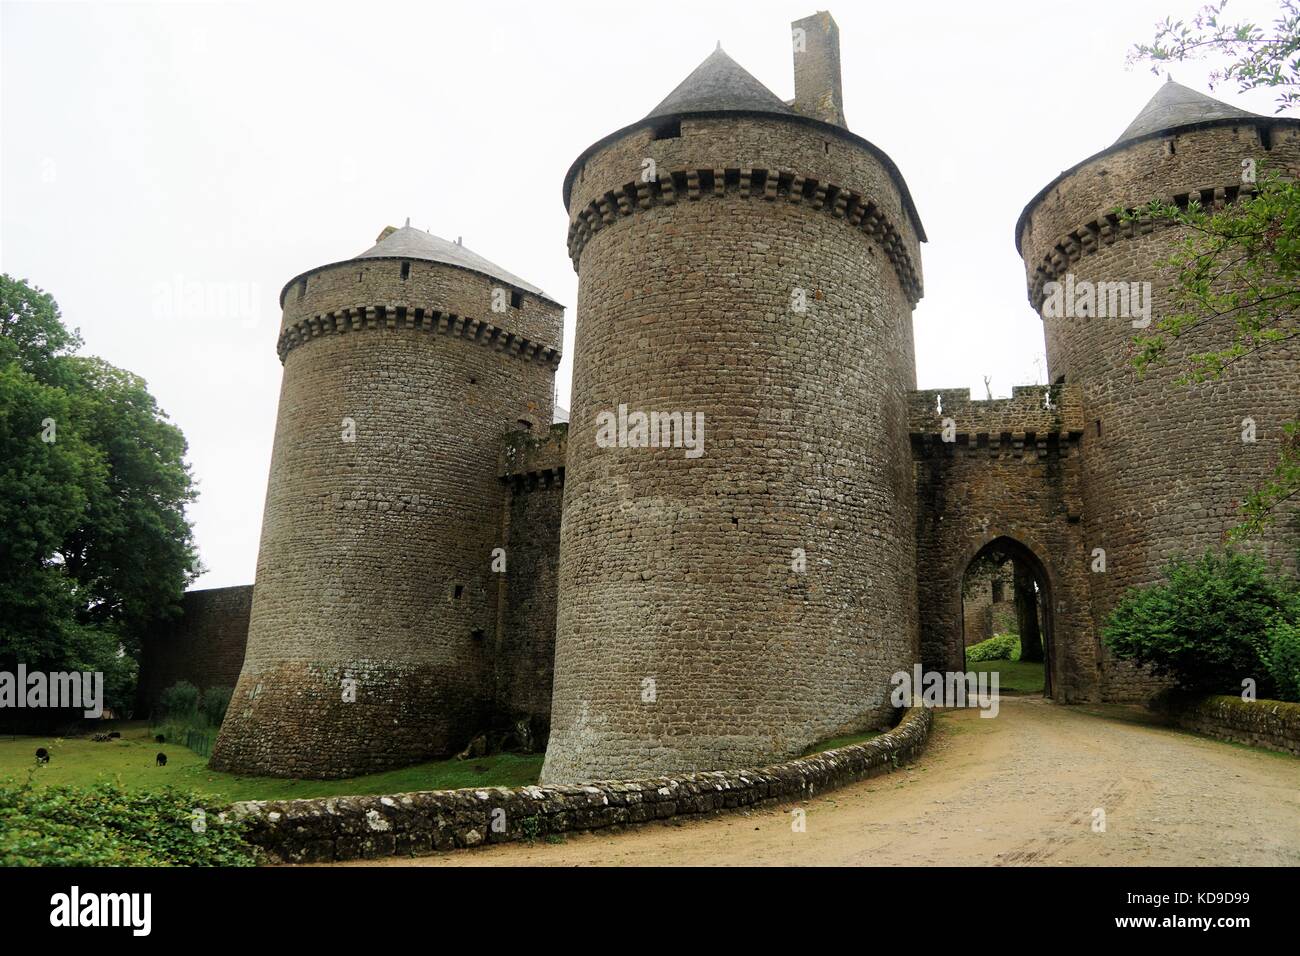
{"x":747,"y":268}
{"x":1165,"y":465}
{"x":375,"y":595}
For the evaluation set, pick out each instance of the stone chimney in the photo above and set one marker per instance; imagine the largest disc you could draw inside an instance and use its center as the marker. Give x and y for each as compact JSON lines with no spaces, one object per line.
{"x":817,"y":91}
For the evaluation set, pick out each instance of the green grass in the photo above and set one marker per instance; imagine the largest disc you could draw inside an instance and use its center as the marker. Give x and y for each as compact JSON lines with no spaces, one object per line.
{"x":81,"y":761}
{"x":1014,"y":676}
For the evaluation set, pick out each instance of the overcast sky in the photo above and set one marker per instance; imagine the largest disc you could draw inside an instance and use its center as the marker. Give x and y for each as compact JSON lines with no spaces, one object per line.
{"x":166,"y":168}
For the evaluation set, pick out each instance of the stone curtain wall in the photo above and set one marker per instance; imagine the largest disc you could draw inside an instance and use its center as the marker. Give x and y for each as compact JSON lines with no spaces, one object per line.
{"x":204,"y":646}
{"x":375,"y":560}
{"x":685,"y":640}
{"x":532,"y":472}
{"x":351,"y":828}
{"x":1164,"y":465}
{"x":1012,"y":471}
{"x":1271,"y":724}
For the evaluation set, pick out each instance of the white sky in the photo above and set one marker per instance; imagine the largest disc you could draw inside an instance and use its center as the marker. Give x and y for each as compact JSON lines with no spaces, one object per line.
{"x":151,"y":150}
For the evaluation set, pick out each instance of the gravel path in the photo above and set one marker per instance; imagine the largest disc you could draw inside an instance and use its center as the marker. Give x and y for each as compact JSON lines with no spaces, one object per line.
{"x":1017,"y":789}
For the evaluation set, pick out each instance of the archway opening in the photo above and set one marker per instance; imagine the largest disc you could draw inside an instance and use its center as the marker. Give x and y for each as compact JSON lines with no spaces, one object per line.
{"x":1006,"y":622}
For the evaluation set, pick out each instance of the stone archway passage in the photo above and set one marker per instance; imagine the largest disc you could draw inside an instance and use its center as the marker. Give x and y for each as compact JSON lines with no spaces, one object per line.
{"x":1032,"y":599}
{"x":1003,"y":469}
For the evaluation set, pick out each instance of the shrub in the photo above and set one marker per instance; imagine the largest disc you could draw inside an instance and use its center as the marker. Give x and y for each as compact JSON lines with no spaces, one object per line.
{"x":1284,"y":657}
{"x":180,"y":701}
{"x":999,"y":647}
{"x":1206,"y":625}
{"x":107,"y":825}
{"x":215,"y":702}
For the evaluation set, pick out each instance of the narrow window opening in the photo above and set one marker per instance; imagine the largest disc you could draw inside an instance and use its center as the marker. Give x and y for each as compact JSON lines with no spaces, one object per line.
{"x":1169,"y":147}
{"x":457,"y":592}
{"x":1098,"y":424}
{"x":827,"y":144}
{"x":516,"y":300}
{"x":477,"y":634}
{"x":1265,"y":136}
{"x":406,"y":271}
{"x":302,"y":288}
{"x":525,"y":424}
{"x":669,"y":129}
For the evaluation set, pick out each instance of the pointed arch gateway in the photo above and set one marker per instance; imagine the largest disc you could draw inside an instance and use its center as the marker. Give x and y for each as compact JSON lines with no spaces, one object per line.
{"x":1031,"y":586}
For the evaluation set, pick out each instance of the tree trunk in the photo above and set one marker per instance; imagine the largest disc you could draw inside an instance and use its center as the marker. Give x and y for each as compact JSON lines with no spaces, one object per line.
{"x":1031,"y":641}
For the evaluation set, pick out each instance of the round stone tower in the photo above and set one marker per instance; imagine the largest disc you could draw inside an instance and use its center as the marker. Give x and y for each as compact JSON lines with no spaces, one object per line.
{"x":375,"y":602}
{"x":1166,"y":465}
{"x":737,"y":559}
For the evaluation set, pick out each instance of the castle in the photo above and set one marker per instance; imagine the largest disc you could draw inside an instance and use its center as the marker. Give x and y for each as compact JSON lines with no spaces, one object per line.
{"x":437,"y":558}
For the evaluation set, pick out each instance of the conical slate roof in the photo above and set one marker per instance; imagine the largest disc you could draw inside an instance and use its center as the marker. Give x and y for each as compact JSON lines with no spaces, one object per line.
{"x":411,"y":243}
{"x":720,"y":83}
{"x":1175,"y":105}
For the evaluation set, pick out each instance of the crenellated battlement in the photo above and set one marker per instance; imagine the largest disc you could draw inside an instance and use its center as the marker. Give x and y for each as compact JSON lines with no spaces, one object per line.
{"x":1033,"y":415}
{"x":1109,"y":227}
{"x":693,"y":185}
{"x":529,"y":460}
{"x":390,"y":316}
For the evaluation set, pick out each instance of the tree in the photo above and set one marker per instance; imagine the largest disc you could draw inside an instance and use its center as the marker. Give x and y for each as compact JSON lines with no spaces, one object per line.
{"x":1208,"y":624}
{"x":1238,"y":269}
{"x":1026,"y":600}
{"x":94,"y":542}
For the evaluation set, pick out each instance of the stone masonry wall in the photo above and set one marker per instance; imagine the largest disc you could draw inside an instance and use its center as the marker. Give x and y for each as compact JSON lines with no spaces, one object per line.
{"x":350,"y":828}
{"x":1012,"y":471}
{"x":532,"y":472}
{"x":1164,"y":465}
{"x":1271,"y":724}
{"x":374,"y":570}
{"x":686,"y":639}
{"x":204,"y":646}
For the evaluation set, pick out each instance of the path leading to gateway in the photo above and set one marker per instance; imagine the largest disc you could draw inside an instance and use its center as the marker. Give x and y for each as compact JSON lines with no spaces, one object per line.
{"x":1017,"y":789}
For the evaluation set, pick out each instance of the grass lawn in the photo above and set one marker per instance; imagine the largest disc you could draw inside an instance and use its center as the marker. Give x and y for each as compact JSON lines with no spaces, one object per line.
{"x":1014,"y":676}
{"x":79,"y":761}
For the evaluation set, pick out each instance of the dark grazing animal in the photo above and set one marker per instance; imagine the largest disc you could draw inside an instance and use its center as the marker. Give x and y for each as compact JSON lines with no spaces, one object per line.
{"x":161,"y":760}
{"x":42,"y":755}
{"x":160,"y":739}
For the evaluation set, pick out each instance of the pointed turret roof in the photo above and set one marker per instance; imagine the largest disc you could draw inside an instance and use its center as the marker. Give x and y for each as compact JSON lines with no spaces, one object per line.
{"x":720,"y":83}
{"x":1175,"y":105}
{"x":411,"y":243}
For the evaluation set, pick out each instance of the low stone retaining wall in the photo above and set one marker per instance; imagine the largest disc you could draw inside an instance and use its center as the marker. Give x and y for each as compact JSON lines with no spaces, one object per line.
{"x":1271,"y":724}
{"x":350,"y":828}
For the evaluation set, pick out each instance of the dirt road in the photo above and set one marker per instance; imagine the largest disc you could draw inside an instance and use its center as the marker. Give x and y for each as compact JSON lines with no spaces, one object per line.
{"x":1017,"y":789}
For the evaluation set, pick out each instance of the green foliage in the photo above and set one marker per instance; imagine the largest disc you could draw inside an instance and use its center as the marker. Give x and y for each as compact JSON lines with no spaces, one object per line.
{"x":999,"y":647}
{"x":108,"y":825}
{"x":180,"y":701}
{"x":1260,"y":58}
{"x":215,"y":702}
{"x":94,"y":543}
{"x":1206,"y":625}
{"x":1284,"y":656}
